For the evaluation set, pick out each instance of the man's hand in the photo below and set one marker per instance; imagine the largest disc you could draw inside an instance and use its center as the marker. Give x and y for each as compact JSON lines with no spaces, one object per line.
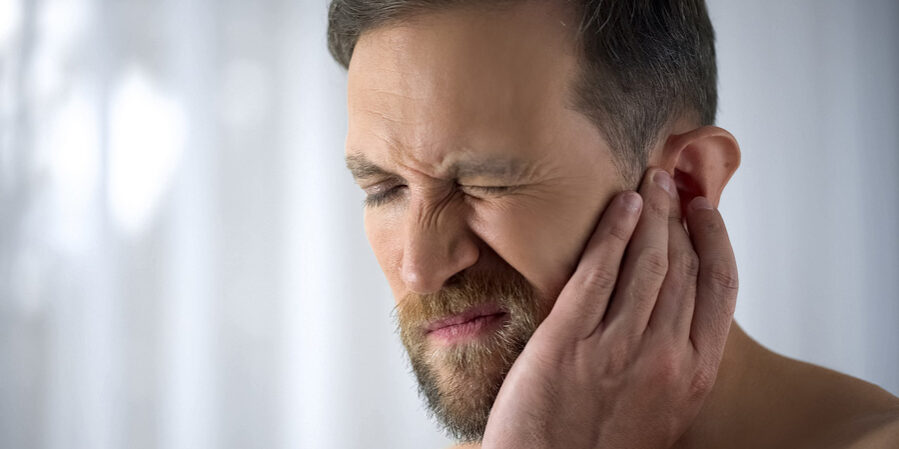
{"x":632,"y":346}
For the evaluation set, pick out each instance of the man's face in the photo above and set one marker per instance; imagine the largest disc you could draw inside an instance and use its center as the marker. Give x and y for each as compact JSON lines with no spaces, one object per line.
{"x":483,"y":184}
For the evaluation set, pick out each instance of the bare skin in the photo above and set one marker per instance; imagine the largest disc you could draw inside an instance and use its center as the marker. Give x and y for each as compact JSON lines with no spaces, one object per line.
{"x":785,"y":403}
{"x":461,"y":88}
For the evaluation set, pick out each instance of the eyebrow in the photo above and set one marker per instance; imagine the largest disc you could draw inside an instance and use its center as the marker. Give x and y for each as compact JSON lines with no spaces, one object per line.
{"x":362,"y":168}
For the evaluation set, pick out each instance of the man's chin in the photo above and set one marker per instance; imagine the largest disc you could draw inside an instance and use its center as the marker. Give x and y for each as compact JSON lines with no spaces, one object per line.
{"x":460,"y":384}
{"x":461,"y":368}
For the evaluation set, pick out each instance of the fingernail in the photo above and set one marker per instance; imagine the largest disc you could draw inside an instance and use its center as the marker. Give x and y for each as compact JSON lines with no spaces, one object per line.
{"x":631,"y":201}
{"x":700,"y":202}
{"x":663,"y":179}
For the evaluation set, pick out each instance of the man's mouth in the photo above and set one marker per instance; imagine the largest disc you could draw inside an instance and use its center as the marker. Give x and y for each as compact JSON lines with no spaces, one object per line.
{"x":466,"y":325}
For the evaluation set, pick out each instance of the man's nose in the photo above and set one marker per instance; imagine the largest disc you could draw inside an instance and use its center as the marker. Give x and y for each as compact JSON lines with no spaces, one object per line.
{"x":435,"y":249}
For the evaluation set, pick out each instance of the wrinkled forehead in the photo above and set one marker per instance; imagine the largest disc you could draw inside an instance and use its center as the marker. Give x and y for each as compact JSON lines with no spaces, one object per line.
{"x":460,"y":80}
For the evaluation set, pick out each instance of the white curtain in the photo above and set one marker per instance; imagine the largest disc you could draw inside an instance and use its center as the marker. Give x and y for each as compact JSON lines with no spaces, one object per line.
{"x":182,"y":262}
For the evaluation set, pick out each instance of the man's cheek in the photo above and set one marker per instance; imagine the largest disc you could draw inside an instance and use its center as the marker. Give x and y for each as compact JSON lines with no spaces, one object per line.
{"x":532,"y":245}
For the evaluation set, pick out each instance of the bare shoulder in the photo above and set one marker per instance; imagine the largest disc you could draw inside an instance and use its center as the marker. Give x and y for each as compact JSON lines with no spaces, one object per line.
{"x":875,"y":430}
{"x":836,"y":410}
{"x":881,"y":432}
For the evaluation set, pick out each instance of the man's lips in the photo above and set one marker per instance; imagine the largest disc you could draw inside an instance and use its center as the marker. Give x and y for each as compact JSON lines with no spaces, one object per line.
{"x":465,"y":324}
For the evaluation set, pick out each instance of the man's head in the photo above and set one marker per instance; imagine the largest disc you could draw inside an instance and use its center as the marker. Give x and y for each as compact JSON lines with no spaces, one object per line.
{"x":641,"y":62}
{"x":489,"y":136}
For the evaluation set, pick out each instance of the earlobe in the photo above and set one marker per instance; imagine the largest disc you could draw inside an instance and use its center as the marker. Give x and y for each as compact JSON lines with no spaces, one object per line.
{"x":701,"y":161}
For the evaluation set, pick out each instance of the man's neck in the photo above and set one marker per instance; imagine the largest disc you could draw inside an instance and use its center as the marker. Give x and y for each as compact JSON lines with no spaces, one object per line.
{"x":742,"y":361}
{"x":763,"y":399}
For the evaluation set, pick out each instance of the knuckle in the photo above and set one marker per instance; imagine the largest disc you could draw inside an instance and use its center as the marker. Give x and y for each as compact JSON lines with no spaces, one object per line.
{"x":702,"y":382}
{"x":620,"y":231}
{"x":688,"y":263}
{"x":600,"y":278}
{"x":658,"y":208}
{"x":668,"y":369}
{"x":725,"y":276}
{"x":618,"y":357}
{"x":712,"y":226}
{"x":653,"y":261}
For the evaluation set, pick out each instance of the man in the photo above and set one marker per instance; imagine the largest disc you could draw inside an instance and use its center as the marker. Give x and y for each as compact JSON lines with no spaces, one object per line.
{"x":542,"y":301}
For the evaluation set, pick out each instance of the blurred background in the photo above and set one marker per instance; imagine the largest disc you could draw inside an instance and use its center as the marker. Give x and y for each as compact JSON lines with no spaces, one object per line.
{"x":182,"y":259}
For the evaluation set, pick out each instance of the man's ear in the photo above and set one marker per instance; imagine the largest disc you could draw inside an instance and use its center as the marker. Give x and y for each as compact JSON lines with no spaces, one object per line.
{"x":701,"y":162}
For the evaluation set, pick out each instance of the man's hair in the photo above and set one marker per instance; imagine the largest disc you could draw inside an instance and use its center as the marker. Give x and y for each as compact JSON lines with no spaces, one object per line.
{"x":644,"y":63}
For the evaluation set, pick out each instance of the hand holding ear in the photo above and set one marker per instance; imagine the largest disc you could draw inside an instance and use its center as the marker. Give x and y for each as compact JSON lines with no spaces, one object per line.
{"x":632,"y":346}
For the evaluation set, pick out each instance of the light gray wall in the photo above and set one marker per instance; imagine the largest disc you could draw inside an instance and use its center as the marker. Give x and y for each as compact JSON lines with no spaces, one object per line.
{"x":811,"y":91}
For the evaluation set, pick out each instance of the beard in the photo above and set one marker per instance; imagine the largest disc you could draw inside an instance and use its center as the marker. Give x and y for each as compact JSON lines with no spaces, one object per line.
{"x":460,"y":381}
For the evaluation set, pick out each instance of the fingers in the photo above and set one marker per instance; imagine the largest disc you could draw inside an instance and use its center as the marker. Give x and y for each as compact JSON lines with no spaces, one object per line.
{"x":673,"y":312}
{"x":582,"y":303}
{"x":716,"y":289}
{"x":646,"y":262}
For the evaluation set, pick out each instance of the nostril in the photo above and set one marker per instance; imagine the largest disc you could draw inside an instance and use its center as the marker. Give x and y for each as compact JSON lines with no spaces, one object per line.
{"x":454,"y":280}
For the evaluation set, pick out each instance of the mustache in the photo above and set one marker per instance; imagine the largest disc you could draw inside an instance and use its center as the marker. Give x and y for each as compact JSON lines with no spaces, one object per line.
{"x":506,"y":288}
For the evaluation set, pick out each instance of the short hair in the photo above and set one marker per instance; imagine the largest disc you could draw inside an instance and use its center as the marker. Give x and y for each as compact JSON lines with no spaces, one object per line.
{"x":644,"y":63}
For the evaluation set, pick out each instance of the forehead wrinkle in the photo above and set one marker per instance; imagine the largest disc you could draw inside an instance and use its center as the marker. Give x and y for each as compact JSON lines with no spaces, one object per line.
{"x":508,"y":169}
{"x":505,"y":168}
{"x":362,"y":167}
{"x":432,"y":164}
{"x":387,"y":117}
